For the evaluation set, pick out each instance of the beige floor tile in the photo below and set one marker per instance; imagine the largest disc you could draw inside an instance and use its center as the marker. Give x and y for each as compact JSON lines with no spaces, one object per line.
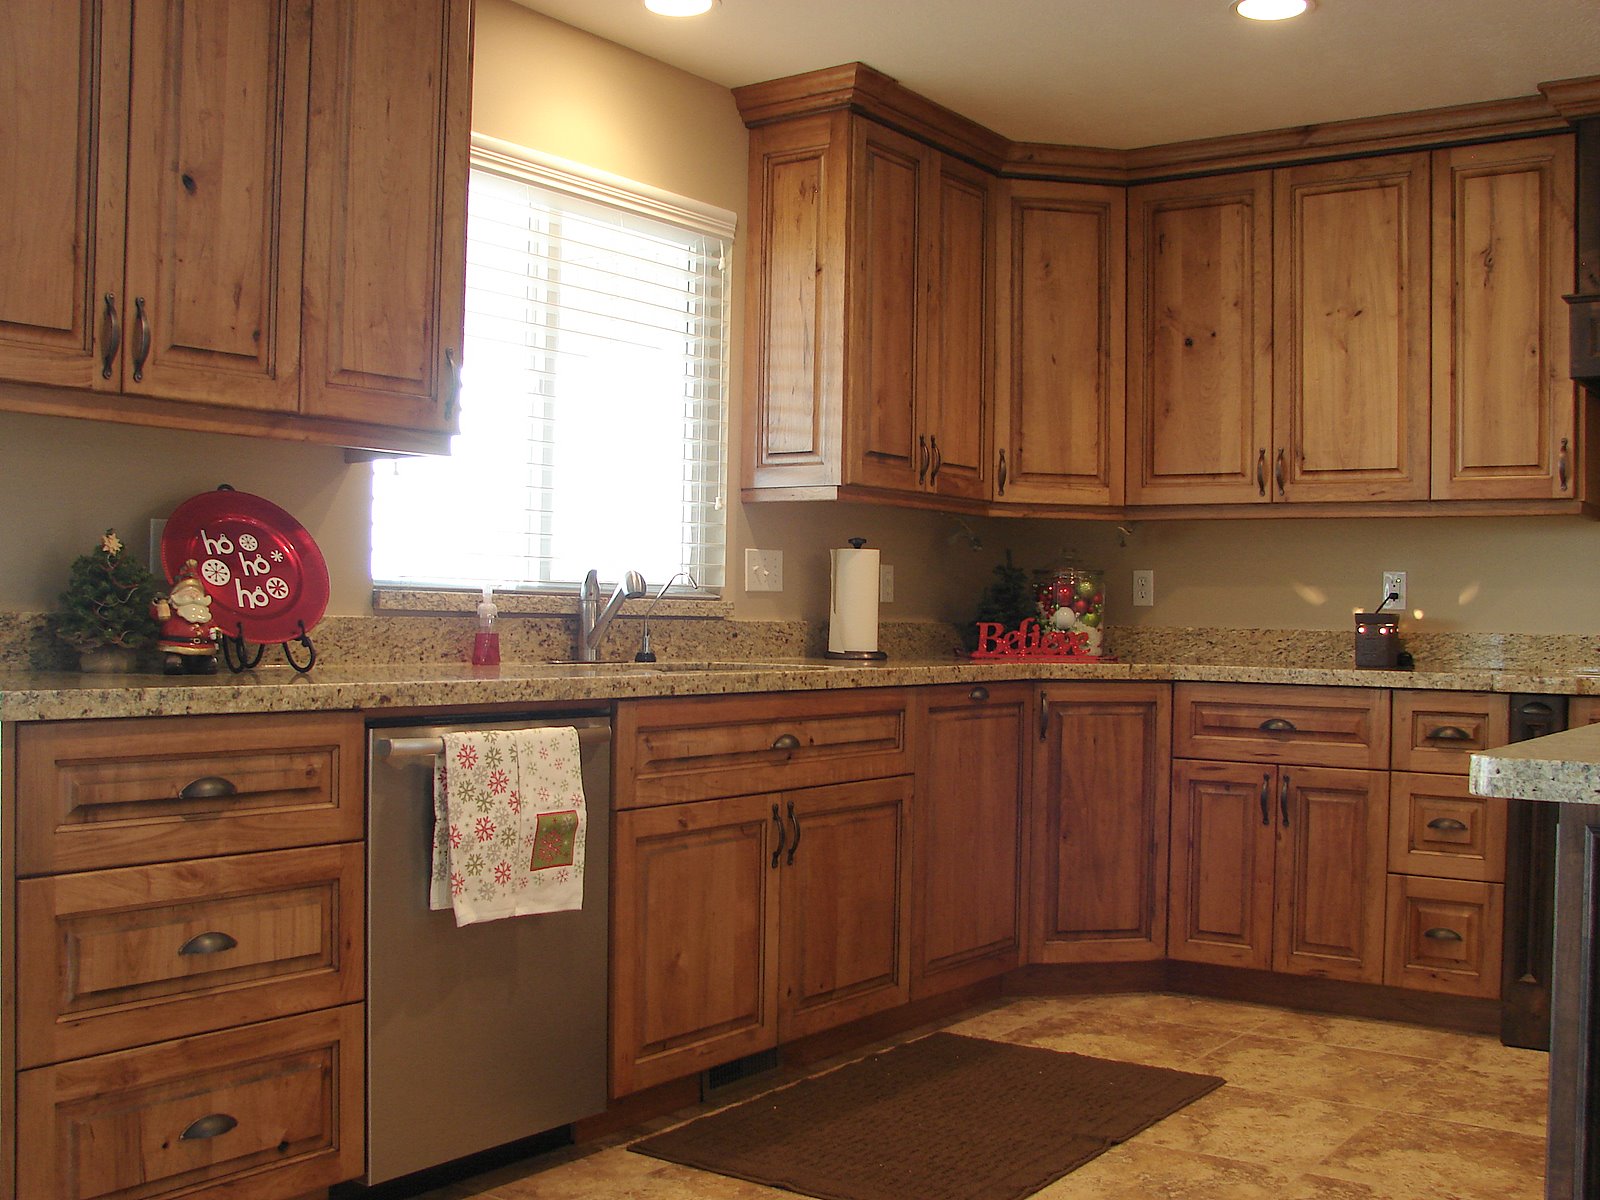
{"x":1312,"y":1186}
{"x":1200,"y":1011}
{"x":1510,"y":1100}
{"x":1260,"y":1127}
{"x":1336,"y":1074}
{"x":1104,"y":1035}
{"x":1424,"y":1157}
{"x":1388,"y":1037}
{"x":1137,"y":1170}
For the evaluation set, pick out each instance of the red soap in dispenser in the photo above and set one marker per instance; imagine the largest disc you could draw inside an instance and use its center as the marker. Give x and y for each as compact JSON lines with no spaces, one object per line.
{"x":486,"y":643}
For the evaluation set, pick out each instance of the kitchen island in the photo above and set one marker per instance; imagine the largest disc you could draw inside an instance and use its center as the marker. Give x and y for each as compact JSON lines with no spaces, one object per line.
{"x":1564,"y":769}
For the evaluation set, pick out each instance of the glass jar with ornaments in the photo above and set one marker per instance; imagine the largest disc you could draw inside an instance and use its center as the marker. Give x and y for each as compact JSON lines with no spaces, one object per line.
{"x":1072,"y":600}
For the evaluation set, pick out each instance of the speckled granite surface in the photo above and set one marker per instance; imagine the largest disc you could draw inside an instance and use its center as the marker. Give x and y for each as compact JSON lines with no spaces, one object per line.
{"x":1561,"y":768}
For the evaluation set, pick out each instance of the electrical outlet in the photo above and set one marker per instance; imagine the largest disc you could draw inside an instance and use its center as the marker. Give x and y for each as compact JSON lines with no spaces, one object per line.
{"x":885,"y":584}
{"x":1394,"y":582}
{"x":763,"y":570}
{"x":1144,"y":588}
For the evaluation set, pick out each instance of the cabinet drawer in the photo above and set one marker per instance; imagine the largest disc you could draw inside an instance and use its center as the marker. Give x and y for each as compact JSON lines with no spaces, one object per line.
{"x":1444,"y":935}
{"x":151,"y":789}
{"x":700,"y":749}
{"x":269,"y":1112}
{"x":1438,"y":828}
{"x":1307,"y":726}
{"x":142,"y":954}
{"x":1439,"y":731}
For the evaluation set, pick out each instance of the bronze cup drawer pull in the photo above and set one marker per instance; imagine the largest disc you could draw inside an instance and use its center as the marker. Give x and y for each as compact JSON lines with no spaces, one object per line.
{"x":978,"y":694}
{"x":1440,"y":934}
{"x":211,"y":1126}
{"x":786,"y":741}
{"x":1277,"y":725}
{"x":1447,"y":825}
{"x":211,"y":942}
{"x":208,"y":787}
{"x":1448,"y":733}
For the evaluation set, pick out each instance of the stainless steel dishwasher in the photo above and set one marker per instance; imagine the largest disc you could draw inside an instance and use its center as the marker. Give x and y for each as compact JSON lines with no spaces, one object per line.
{"x":493,"y":1032}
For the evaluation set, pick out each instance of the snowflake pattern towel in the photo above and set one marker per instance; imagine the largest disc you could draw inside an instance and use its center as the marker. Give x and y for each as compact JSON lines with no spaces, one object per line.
{"x":508,"y":824}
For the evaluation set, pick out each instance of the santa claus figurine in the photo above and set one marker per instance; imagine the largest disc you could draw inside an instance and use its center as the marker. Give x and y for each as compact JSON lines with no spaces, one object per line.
{"x":188,"y":635}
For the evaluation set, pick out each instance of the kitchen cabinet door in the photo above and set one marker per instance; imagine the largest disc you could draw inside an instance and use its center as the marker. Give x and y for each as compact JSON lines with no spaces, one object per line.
{"x":1351,"y":330}
{"x":694,"y":937}
{"x":65,"y":66}
{"x":845,"y":886}
{"x":1505,"y":409}
{"x":1224,"y":832}
{"x":1331,"y":878}
{"x":216,"y":187}
{"x":1060,"y":358}
{"x":1200,"y":328}
{"x":972,"y":747}
{"x":1099,"y":824}
{"x":386,"y":187}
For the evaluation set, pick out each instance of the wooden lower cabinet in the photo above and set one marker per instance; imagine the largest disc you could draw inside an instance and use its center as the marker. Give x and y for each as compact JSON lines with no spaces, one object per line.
{"x":1444,"y":935}
{"x":1279,"y":868}
{"x":741,"y":922}
{"x":1099,"y":860}
{"x":972,"y":745}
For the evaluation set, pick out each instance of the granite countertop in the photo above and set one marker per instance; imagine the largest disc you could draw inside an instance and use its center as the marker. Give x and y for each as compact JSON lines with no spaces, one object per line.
{"x":28,"y":696}
{"x":1562,"y":768}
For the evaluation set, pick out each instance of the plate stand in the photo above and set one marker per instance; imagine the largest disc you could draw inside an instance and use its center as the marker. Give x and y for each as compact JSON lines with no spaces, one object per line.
{"x":244,"y":656}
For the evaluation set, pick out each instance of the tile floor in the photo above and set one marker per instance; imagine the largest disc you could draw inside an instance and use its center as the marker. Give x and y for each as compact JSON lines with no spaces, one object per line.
{"x":1315,"y":1108}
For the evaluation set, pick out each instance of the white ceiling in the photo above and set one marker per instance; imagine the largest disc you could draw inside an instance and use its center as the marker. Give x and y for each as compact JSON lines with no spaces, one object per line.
{"x":1124,"y":73}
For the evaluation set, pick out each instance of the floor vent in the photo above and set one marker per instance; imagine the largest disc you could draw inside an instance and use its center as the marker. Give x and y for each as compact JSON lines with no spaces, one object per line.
{"x":719,"y":1077}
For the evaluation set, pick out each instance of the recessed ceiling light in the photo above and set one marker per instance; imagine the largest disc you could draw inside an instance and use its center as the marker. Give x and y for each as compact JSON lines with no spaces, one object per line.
{"x":679,"y":8}
{"x":1271,"y":10}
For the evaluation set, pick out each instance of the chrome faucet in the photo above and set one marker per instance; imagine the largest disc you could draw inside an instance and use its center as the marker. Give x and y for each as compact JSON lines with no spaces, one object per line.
{"x":592,"y":619}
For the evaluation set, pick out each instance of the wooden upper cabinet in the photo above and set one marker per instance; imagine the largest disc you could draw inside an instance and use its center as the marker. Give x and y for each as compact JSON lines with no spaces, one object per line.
{"x":385,"y":254}
{"x":1200,"y":325}
{"x":1351,"y":330}
{"x":1505,"y":409}
{"x":1060,"y":353}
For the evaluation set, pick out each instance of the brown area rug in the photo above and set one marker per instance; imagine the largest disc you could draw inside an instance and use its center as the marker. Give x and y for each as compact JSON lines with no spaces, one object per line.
{"x":941,"y":1118}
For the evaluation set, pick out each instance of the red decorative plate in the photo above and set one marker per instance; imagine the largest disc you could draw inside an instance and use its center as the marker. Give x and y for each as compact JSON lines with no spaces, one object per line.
{"x":261,"y":568}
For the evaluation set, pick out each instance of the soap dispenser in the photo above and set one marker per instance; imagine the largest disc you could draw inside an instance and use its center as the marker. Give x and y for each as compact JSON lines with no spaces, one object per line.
{"x":486,"y":643}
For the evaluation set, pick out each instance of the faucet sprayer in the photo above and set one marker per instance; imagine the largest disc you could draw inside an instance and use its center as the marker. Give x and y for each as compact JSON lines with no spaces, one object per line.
{"x":646,"y":654}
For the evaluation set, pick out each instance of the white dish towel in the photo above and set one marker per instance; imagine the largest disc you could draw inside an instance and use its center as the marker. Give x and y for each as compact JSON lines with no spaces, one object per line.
{"x":508,"y":824}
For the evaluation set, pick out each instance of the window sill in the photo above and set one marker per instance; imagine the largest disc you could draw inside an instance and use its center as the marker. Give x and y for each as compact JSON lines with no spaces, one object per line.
{"x":390,"y":601}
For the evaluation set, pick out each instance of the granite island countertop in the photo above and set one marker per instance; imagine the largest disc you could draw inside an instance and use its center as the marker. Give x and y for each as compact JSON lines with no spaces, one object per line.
{"x":26,"y":696}
{"x":1561,"y":768}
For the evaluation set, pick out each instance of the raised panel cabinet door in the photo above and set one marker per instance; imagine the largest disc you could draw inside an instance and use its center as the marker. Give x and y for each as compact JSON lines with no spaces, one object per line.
{"x":1223,"y":845}
{"x":794,"y":330}
{"x":1505,"y":409}
{"x":1200,"y":329}
{"x":887,"y":301}
{"x":972,"y":744}
{"x":216,"y":189}
{"x":1351,"y":330}
{"x":694,"y":928}
{"x":959,"y":377}
{"x":386,"y":186}
{"x":1329,"y":895}
{"x":845,"y":883}
{"x":1101,"y":780}
{"x":1060,"y":358}
{"x":63,"y":164}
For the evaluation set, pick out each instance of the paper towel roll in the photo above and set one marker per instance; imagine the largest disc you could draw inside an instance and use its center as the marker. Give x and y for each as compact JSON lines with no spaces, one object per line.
{"x":853,"y":604}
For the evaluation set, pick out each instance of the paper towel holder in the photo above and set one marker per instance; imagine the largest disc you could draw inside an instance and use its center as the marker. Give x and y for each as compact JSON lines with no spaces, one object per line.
{"x":856,"y":543}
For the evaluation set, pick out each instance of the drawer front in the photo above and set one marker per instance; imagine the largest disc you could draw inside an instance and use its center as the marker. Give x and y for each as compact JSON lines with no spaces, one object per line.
{"x":1444,"y":935}
{"x":1307,"y":726}
{"x":700,"y":749}
{"x":1438,"y":828}
{"x":142,"y":954}
{"x":272,"y":1111}
{"x":1440,"y":731}
{"x":113,"y":793}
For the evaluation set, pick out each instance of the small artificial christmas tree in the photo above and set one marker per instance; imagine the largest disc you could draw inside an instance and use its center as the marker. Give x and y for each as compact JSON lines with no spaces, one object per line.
{"x":107,"y":601}
{"x":1009,"y":600}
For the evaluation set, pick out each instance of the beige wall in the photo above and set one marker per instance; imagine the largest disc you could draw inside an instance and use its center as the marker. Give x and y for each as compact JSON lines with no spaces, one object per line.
{"x":545,"y":85}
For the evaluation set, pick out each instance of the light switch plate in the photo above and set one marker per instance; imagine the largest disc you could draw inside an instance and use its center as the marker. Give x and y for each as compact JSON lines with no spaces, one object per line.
{"x":763,"y":570}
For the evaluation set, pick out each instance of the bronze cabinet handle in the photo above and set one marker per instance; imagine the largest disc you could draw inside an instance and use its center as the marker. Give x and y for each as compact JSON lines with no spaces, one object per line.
{"x":922,"y":458}
{"x":208,"y":787}
{"x":1447,"y":825}
{"x":1563,"y":465}
{"x":1280,"y":470}
{"x":1277,"y":725}
{"x":1261,"y":472}
{"x":452,"y":394}
{"x":938,"y":458}
{"x":783,"y":837}
{"x":211,"y":1126}
{"x":1266,"y":799}
{"x":141,"y":338}
{"x":1448,"y":733}
{"x":1002,"y":472}
{"x":212,"y":942}
{"x":113,"y":341}
{"x":1044,"y":716}
{"x":786,"y":741}
{"x":1283,"y":798}
{"x":978,"y":694}
{"x":1440,"y":934}
{"x":795,"y":844}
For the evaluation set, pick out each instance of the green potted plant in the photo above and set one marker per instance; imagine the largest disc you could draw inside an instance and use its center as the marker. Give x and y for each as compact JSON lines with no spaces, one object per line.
{"x":104,"y":614}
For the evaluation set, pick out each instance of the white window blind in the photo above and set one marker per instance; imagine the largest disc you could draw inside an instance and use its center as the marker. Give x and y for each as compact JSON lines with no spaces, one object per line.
{"x":592,"y":404}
